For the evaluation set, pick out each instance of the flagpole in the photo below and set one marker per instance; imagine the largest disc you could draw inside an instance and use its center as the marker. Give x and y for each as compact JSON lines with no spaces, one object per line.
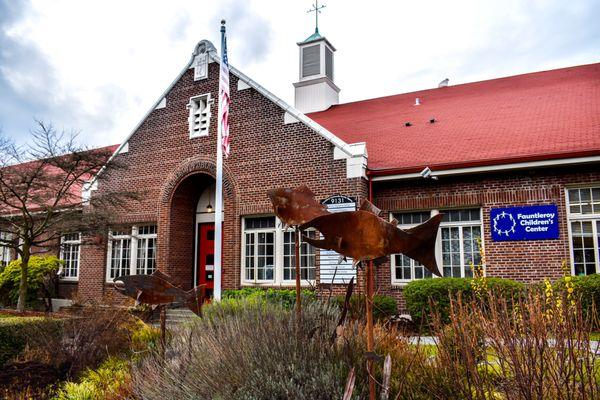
{"x":219,"y":194}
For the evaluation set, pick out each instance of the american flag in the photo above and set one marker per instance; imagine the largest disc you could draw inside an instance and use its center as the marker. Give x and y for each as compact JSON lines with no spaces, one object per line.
{"x":224,"y":95}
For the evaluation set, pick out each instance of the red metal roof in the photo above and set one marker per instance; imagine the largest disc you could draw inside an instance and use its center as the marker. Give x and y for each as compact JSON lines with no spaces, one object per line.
{"x":72,"y":198}
{"x":536,"y":116}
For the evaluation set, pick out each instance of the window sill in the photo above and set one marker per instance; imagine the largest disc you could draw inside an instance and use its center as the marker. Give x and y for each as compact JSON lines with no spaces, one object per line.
{"x":68,"y":280}
{"x":286,"y":284}
{"x":199,"y":136}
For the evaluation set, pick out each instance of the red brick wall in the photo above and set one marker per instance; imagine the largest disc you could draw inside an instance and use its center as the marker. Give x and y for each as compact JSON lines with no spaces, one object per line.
{"x":164,"y":163}
{"x":526,"y":261}
{"x":170,"y":170}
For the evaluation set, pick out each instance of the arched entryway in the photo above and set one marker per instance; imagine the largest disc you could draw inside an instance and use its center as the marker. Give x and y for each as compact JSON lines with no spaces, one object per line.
{"x":185,"y":240}
{"x":183,"y":236}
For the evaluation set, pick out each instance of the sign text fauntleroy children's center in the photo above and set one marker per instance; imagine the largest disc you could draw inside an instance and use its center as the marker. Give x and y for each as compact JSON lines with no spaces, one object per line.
{"x":524,"y":223}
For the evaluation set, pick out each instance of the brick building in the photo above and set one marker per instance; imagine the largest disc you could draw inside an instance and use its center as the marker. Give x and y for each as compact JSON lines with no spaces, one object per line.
{"x":513,"y":163}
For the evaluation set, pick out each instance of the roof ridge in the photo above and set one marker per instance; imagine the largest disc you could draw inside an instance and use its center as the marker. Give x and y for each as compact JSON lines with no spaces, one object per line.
{"x":458,"y":85}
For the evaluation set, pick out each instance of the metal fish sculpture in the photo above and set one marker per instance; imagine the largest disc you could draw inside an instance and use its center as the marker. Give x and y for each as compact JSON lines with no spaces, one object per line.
{"x":156,"y":289}
{"x":296,"y":206}
{"x":364,"y":236}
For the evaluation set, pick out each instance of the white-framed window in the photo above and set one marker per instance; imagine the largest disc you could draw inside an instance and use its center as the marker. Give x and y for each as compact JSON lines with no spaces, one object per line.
{"x":404,"y":268}
{"x":131,"y":251}
{"x":307,"y":257}
{"x":460,"y":234}
{"x":70,"y":251}
{"x":5,"y":251}
{"x":457,"y":245}
{"x":583,"y":212}
{"x":199,"y":118}
{"x":146,"y":250}
{"x":259,"y":249}
{"x":268,"y":253}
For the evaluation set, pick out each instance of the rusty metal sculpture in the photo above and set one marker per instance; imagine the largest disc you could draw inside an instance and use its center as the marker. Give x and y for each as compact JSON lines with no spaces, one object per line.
{"x":361,"y":235}
{"x":156,"y":289}
{"x":295,"y":207}
{"x":364,"y":236}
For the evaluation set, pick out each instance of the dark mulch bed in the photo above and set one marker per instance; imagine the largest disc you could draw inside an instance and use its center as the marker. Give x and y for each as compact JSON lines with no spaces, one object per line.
{"x":30,"y":313}
{"x":30,"y":378}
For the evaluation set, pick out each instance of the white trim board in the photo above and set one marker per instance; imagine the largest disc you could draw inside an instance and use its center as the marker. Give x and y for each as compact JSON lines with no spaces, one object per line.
{"x":493,"y":168}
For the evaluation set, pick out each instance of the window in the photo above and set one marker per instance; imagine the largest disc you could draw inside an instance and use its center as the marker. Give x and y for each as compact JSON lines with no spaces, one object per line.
{"x":259,"y":248}
{"x":457,"y":247}
{"x":146,"y":250}
{"x":268,"y":253}
{"x":584,"y":229}
{"x":70,"y":248}
{"x":307,"y":257}
{"x":131,"y":251}
{"x":405,"y":268}
{"x":461,"y":232}
{"x":5,"y":251}
{"x":199,"y":119}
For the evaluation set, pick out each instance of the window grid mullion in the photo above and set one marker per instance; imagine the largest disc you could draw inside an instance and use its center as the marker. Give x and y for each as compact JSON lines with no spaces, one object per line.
{"x":595,"y":241}
{"x":461,"y":249}
{"x":256,"y":244}
{"x":133,"y":249}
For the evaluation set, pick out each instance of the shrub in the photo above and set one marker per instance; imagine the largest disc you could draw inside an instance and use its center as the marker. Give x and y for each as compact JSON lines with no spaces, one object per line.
{"x":384,"y":306}
{"x":93,"y":335}
{"x":144,"y":337}
{"x":533,"y":349}
{"x":587,"y":290}
{"x":422,"y":295}
{"x":17,"y":332}
{"x":111,"y":380}
{"x":259,"y":352}
{"x":285,"y":297}
{"x":40,"y":268}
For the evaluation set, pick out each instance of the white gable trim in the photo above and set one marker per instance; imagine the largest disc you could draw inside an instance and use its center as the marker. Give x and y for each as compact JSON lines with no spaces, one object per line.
{"x":352,"y":153}
{"x":336,"y":141}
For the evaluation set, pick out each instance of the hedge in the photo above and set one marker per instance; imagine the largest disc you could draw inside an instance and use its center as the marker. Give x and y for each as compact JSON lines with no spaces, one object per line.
{"x":383,"y":306}
{"x":285,"y":297}
{"x":587,"y":289}
{"x":16,"y":332}
{"x":418,"y":294}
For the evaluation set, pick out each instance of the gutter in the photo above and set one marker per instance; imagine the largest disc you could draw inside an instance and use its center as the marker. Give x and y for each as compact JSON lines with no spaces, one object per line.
{"x":483,"y":167}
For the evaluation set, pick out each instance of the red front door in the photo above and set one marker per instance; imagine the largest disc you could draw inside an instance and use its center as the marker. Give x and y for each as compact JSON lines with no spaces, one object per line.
{"x":206,"y":256}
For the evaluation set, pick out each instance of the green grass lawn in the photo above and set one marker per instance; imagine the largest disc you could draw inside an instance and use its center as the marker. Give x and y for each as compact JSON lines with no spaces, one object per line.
{"x":595,"y":336}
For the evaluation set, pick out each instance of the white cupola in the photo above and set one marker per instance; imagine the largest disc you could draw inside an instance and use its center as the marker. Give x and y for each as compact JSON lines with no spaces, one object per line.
{"x":315,"y":90}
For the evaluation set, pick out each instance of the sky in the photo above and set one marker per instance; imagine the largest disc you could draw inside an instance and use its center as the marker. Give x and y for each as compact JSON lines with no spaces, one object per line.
{"x":96,"y":67}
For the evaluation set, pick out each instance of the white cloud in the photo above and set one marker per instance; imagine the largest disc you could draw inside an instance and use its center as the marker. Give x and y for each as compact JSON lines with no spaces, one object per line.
{"x":98,"y":66}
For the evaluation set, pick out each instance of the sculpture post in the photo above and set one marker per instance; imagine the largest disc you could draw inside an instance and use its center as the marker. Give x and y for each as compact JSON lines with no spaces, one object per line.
{"x":298,"y":289}
{"x":370,"y":339}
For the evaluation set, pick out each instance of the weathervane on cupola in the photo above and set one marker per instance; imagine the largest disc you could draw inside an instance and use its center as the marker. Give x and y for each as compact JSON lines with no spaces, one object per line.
{"x":316,"y":8}
{"x":315,"y":89}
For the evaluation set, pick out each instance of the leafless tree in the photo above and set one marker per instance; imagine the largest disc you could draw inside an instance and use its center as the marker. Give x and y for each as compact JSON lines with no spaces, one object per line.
{"x":45,"y":189}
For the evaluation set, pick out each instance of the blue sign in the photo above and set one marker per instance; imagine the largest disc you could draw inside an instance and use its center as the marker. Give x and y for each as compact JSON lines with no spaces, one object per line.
{"x":524,"y":223}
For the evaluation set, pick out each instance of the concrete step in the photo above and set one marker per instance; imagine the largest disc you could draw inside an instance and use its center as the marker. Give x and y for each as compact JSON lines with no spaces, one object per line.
{"x":179,"y":315}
